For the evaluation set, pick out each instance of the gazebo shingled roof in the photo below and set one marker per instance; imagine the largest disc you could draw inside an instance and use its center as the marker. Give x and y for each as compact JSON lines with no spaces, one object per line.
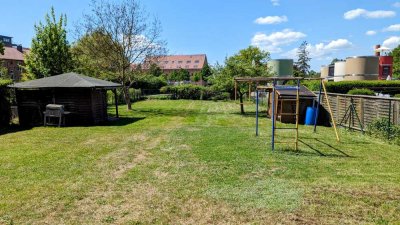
{"x":66,"y":80}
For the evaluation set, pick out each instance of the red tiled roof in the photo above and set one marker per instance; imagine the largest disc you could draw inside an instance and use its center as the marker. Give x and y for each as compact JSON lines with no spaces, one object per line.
{"x":12,"y":53}
{"x":173,"y":62}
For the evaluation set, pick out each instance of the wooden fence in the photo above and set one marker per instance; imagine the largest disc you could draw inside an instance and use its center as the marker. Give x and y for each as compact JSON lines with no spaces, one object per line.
{"x":368,"y":108}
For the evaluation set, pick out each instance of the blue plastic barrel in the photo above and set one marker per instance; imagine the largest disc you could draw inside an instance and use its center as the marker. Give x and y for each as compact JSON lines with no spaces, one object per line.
{"x":310,"y":116}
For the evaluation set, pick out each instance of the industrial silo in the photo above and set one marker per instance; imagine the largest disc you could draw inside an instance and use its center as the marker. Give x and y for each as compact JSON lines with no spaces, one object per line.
{"x":340,"y":71}
{"x":324,"y":71}
{"x":362,"y":68}
{"x":281,"y":67}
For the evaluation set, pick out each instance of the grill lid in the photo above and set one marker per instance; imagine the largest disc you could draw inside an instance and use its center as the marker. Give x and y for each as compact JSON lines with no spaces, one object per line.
{"x":55,"y":107}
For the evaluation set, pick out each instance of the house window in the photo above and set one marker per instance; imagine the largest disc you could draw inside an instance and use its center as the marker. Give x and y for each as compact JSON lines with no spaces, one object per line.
{"x":195,"y":66}
{"x":166,"y":62}
{"x":188,"y":61}
{"x":186,"y":66}
{"x":179,"y":62}
{"x":173,"y":62}
{"x":196,"y":61}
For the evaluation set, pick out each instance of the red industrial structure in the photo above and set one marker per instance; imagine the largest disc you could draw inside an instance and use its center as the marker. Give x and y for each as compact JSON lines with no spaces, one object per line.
{"x":385,"y":63}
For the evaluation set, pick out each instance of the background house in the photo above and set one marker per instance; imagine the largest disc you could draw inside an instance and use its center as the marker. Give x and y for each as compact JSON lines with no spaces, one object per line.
{"x":168,"y":64}
{"x":13,"y":58}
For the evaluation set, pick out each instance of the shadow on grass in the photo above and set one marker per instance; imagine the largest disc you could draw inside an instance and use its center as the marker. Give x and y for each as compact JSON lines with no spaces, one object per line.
{"x":13,"y":129}
{"x":261,"y":114}
{"x":316,"y":151}
{"x":122,"y":121}
{"x":175,"y":112}
{"x":320,"y":153}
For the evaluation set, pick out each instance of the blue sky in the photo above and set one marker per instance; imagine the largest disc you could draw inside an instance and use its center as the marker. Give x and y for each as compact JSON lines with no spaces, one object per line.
{"x":334,"y":29}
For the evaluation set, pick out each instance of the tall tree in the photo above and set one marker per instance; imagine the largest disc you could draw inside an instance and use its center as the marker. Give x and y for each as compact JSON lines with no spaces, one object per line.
{"x":132,"y":37}
{"x":90,"y":62}
{"x":303,"y":60}
{"x":396,"y":61}
{"x":249,"y":62}
{"x":50,"y":50}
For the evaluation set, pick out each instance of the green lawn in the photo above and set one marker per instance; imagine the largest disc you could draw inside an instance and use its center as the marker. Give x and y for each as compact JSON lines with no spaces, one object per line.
{"x":194,"y":162}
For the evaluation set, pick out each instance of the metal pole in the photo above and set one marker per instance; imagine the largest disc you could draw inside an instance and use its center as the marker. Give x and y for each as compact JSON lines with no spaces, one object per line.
{"x":317,"y":111}
{"x":257,"y":112}
{"x":273,"y":115}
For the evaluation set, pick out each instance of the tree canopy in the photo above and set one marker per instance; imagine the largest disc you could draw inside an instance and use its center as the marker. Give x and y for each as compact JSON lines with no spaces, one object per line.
{"x":50,"y":50}
{"x":94,"y":63}
{"x":130,"y":38}
{"x":249,"y":62}
{"x":396,"y":62}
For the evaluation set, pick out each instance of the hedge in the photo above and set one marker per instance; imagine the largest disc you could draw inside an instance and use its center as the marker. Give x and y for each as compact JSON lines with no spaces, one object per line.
{"x":194,"y":92}
{"x":361,"y":91}
{"x":343,"y":87}
{"x":149,"y":82}
{"x":5,"y":106}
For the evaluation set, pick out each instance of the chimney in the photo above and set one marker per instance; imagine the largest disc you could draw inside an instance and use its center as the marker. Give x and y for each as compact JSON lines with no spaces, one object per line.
{"x":377,"y":50}
{"x":19,"y":48}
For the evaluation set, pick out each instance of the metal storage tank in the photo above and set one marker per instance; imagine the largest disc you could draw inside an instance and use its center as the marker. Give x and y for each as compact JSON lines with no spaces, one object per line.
{"x":324,"y":71}
{"x":362,"y":68}
{"x":340,"y":71}
{"x":281,"y":67}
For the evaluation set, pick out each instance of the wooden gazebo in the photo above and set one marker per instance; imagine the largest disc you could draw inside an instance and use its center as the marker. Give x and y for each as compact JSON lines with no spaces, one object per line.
{"x":85,"y":98}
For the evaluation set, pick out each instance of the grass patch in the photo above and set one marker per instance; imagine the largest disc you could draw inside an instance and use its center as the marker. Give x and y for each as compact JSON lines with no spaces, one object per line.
{"x":197,"y":162}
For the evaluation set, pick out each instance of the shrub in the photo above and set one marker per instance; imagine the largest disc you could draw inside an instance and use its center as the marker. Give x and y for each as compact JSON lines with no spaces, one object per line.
{"x":194,"y":92}
{"x":362,"y":91}
{"x":5,"y":106}
{"x":383,"y":128}
{"x":150,"y":82}
{"x":396,"y":96}
{"x":343,"y":87}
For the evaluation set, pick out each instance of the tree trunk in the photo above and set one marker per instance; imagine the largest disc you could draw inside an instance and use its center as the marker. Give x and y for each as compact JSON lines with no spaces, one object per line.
{"x":241,"y":102}
{"x":127,"y":97}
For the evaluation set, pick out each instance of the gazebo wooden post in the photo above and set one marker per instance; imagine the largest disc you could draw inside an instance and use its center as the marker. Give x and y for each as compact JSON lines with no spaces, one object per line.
{"x":248,"y":98}
{"x":116,"y":102}
{"x":235,"y":90}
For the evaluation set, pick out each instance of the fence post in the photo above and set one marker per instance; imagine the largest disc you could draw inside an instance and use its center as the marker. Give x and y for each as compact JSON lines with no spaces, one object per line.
{"x":390,"y":112}
{"x":362,"y":111}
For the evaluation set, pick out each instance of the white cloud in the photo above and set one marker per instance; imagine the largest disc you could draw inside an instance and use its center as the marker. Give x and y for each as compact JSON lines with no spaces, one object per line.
{"x":391,"y":42}
{"x":378,"y":14}
{"x":394,"y":27}
{"x":273,"y":42}
{"x":370,"y":32}
{"x":275,"y":2}
{"x":396,"y":4}
{"x":271,"y":20}
{"x":322,"y":51}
